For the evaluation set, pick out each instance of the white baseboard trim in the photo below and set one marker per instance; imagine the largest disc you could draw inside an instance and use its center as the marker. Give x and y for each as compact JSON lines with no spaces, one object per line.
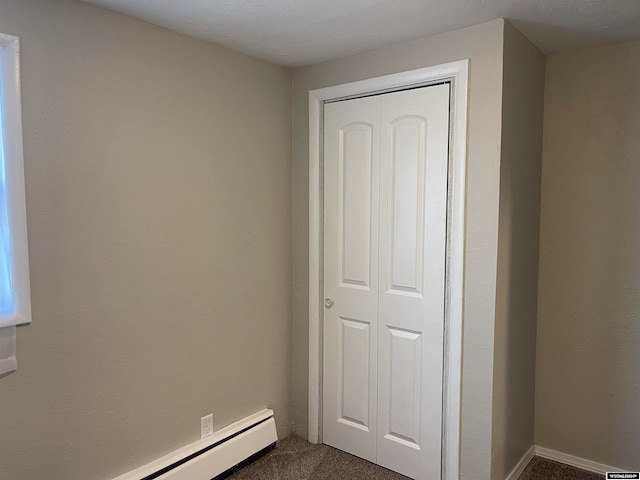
{"x":522,"y":464}
{"x":574,"y":461}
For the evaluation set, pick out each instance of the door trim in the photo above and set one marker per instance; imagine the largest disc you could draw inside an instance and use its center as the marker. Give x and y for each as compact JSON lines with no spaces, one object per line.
{"x":457,"y":74}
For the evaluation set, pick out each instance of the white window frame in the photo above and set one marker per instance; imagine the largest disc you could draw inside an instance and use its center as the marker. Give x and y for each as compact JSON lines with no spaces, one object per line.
{"x":14,"y":171}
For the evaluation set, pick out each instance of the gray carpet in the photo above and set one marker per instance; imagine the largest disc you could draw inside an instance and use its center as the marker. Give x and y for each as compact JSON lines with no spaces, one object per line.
{"x":541,"y":468}
{"x":295,"y":459}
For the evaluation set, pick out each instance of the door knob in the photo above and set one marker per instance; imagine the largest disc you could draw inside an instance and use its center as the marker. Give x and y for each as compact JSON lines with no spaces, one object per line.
{"x":328,"y":303}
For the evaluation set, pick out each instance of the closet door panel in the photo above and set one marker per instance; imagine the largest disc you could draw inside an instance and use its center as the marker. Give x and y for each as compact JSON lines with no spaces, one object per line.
{"x":413,"y":208}
{"x":351,"y":178}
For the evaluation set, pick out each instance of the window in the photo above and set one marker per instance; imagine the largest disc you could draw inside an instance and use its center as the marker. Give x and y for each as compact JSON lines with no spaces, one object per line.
{"x":15,"y":296}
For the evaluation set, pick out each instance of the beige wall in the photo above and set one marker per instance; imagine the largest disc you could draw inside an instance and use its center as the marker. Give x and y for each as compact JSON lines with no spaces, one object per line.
{"x":158,"y":180}
{"x":515,"y":328}
{"x":483,"y":45}
{"x":588,"y":360}
{"x":150,"y":213}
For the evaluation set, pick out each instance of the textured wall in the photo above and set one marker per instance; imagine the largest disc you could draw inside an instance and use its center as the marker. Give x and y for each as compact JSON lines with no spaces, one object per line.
{"x":588,"y":360}
{"x":483,"y":45}
{"x":158,"y":182}
{"x":515,"y":329}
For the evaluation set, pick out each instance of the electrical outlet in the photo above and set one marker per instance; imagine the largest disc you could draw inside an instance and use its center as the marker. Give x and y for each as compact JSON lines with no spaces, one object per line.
{"x":206,"y":426}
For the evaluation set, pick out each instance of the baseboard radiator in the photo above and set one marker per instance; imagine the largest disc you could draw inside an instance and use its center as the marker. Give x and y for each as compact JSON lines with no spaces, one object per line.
{"x":215,"y":456}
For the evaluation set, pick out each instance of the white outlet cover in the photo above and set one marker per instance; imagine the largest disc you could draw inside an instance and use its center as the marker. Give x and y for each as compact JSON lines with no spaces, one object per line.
{"x":206,"y":426}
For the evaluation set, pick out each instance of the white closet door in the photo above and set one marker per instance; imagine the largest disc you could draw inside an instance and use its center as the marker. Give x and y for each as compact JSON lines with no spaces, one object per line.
{"x":413,"y":208}
{"x":351,"y":177}
{"x":385,"y":205}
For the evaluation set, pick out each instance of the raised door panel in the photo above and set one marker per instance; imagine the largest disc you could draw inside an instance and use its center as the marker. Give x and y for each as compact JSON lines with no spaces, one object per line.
{"x":405,"y":393}
{"x":354,"y":208}
{"x":407,"y":168}
{"x":355,"y":344}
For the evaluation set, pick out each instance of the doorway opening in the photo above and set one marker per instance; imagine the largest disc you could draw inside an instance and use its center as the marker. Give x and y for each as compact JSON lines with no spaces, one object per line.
{"x":455,"y":76}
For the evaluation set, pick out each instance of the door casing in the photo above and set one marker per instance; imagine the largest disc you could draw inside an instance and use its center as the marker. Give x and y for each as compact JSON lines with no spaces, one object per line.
{"x":457,"y":74}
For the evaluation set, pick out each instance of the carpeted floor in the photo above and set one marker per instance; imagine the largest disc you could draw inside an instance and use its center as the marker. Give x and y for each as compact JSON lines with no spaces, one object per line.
{"x":295,"y":459}
{"x":541,"y":468}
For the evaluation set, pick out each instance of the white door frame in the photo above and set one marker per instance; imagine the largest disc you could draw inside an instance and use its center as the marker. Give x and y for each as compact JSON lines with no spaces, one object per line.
{"x":457,"y":74}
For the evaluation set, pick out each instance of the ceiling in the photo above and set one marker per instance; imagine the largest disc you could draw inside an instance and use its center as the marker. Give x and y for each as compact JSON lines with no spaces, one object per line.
{"x":301,"y":32}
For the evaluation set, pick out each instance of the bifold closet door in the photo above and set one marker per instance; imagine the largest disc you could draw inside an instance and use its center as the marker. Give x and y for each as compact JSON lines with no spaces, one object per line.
{"x":385,"y":203}
{"x":413,"y":219}
{"x":351,"y":191}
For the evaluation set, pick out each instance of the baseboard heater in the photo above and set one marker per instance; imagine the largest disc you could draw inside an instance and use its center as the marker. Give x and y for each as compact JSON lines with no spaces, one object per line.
{"x":216,"y":456}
